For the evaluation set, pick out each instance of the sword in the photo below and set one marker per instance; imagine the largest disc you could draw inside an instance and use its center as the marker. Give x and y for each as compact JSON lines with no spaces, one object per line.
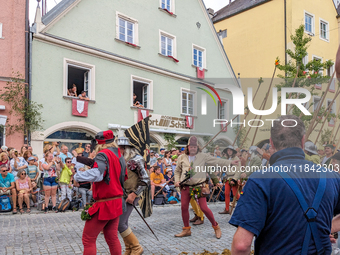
{"x":145,"y":221}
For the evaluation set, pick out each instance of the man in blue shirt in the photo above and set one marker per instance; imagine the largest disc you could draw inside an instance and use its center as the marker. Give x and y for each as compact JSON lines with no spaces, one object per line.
{"x":269,"y":208}
{"x":7,"y":185}
{"x":64,"y":153}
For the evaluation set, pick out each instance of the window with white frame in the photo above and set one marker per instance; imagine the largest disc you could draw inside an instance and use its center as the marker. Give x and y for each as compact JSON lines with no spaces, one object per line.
{"x":330,"y":71}
{"x":199,"y":56}
{"x":142,"y":92}
{"x":168,"y":5}
{"x":309,"y":23}
{"x":332,"y":110}
{"x":79,"y":77}
{"x":305,"y":61}
{"x":318,"y":86}
{"x":187,"y":102}
{"x":222,"y":111}
{"x":167,"y":44}
{"x":316,"y":102}
{"x":127,"y":29}
{"x":324,"y":30}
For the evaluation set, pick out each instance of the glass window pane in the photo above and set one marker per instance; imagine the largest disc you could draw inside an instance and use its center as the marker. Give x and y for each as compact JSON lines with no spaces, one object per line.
{"x":129,"y":25}
{"x":184,"y":96}
{"x":122,"y":22}
{"x":122,"y":37}
{"x":191,"y":111}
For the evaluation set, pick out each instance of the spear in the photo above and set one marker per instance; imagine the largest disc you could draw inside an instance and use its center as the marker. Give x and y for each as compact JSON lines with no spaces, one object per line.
{"x":245,"y":117}
{"x":329,"y":107}
{"x":264,"y":105}
{"x":310,"y":128}
{"x":219,"y":132}
{"x":336,"y":132}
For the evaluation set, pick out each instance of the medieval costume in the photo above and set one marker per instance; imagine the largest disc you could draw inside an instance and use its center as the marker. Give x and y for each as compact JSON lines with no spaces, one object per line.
{"x":108,"y":174}
{"x":138,"y":180}
{"x":230,"y":179}
{"x":190,"y":175}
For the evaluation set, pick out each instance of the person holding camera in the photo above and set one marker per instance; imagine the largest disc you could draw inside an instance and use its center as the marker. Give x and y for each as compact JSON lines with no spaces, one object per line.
{"x":50,"y":166}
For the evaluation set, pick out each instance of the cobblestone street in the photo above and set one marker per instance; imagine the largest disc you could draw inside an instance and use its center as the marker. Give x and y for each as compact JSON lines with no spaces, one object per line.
{"x":60,"y":233}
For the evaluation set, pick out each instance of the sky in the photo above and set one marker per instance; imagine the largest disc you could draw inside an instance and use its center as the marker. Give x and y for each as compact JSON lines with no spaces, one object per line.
{"x":214,"y":4}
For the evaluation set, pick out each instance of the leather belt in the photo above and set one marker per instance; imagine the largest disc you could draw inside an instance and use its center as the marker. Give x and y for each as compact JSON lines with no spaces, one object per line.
{"x":108,"y":199}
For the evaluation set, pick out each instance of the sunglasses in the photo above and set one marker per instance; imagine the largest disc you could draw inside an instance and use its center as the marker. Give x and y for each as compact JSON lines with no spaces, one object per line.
{"x":23,"y":174}
{"x":68,"y":161}
{"x":5,"y":171}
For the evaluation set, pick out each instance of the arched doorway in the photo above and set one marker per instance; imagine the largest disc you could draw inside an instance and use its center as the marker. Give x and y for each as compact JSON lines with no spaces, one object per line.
{"x":263,"y":142}
{"x":182,"y":142}
{"x":71,"y":137}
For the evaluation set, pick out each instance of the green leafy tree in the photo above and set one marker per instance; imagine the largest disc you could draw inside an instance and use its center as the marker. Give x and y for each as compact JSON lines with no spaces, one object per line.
{"x":170,"y":139}
{"x":27,"y":112}
{"x":308,"y":74}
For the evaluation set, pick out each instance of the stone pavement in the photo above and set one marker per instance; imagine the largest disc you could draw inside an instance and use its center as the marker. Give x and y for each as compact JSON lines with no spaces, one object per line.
{"x":60,"y":233}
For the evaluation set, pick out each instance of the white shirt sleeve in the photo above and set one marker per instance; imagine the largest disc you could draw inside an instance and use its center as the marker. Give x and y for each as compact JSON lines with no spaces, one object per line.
{"x":91,"y":175}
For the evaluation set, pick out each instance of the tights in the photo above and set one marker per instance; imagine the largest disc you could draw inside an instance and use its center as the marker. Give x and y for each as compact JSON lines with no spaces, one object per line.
{"x":91,"y":231}
{"x":227,"y":194}
{"x":185,"y":200}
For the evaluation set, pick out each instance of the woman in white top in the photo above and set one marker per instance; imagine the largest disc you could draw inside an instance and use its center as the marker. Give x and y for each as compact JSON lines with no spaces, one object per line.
{"x":167,"y":161}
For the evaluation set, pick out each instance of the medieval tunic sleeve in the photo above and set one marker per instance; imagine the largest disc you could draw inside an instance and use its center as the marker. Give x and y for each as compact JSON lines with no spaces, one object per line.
{"x":178,"y":169}
{"x":213,"y":161}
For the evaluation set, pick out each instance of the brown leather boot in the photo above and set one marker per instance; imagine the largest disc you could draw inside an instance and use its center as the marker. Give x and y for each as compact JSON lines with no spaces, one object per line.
{"x":186,"y":232}
{"x":127,"y":246}
{"x":224,"y":212}
{"x":194,"y":219}
{"x":199,"y":222}
{"x":218,"y":232}
{"x":134,"y":247}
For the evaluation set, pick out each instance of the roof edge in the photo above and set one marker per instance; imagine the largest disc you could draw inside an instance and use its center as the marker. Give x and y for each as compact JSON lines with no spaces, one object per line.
{"x":238,"y":12}
{"x":56,"y":11}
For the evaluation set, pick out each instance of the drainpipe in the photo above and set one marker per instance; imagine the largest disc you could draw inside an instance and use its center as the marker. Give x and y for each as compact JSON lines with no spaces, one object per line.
{"x":285,"y":29}
{"x":27,"y":61}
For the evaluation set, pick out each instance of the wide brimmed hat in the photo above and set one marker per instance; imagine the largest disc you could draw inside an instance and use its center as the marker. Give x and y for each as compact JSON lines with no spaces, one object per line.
{"x":311,"y":147}
{"x":336,"y":156}
{"x":193,"y":141}
{"x":231,"y":148}
{"x":252,"y":149}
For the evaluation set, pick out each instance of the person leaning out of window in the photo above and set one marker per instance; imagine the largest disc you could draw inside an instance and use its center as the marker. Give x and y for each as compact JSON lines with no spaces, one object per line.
{"x":83,"y":96}
{"x":72,"y":92}
{"x":136,"y":103}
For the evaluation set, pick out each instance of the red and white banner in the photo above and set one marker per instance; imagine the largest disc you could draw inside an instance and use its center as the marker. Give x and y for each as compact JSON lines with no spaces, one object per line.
{"x":142,"y":114}
{"x":190,"y":122}
{"x":80,"y":107}
{"x":200,"y":73}
{"x":224,"y":127}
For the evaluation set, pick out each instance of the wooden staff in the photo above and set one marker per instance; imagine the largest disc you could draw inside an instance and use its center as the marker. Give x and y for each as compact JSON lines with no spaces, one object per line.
{"x":335,"y":121}
{"x":336,"y":132}
{"x":166,"y":183}
{"x":310,"y":128}
{"x":245,"y":117}
{"x":212,"y":193}
{"x":239,"y":189}
{"x":264,"y":105}
{"x":245,"y":137}
{"x":218,"y":133}
{"x":329,"y":108}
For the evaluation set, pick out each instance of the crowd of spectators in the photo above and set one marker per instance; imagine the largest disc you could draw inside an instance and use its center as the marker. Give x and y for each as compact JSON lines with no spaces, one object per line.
{"x":28,"y":180}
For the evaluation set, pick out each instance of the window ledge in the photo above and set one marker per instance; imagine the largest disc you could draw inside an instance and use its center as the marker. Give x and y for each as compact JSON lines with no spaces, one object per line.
{"x":70,"y":98}
{"x":197,"y":66}
{"x":325,"y":40}
{"x":309,"y":33}
{"x":136,"y":108}
{"x":2,"y":38}
{"x":128,"y":44}
{"x":318,"y":86}
{"x":166,"y":11}
{"x":331,"y":90}
{"x":184,"y":115}
{"x":168,"y":57}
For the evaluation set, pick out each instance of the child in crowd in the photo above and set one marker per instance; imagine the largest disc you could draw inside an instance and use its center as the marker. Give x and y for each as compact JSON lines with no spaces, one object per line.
{"x":34,"y":193}
{"x":65,"y":181}
{"x":32,"y":169}
{"x":174,"y":162}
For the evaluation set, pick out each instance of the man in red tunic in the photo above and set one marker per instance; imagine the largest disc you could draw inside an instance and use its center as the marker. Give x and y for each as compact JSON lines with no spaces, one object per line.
{"x":108,"y":175}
